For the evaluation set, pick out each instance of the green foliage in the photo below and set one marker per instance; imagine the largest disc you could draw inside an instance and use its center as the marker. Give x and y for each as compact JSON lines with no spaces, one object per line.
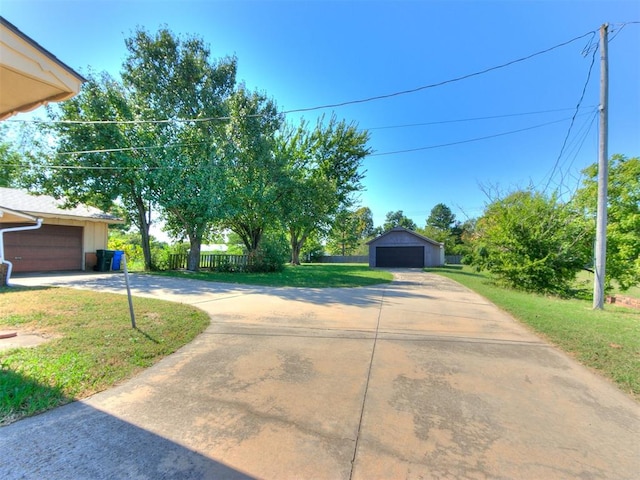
{"x":623,"y":229}
{"x":343,"y":236}
{"x":313,"y":249}
{"x":271,"y":255}
{"x":323,"y":167}
{"x":242,"y":173}
{"x":252,"y":179}
{"x":130,"y":244}
{"x":105,"y":172}
{"x":442,"y":226}
{"x":398,"y":219}
{"x":532,"y":242}
{"x":175,"y":78}
{"x":10,"y":164}
{"x":441,"y":218}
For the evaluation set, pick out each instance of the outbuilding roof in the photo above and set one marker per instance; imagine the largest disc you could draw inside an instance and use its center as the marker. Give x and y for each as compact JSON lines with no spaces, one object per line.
{"x":13,"y":200}
{"x":402,"y":229}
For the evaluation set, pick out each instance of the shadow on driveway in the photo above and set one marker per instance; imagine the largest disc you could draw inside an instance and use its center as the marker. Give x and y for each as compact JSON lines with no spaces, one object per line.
{"x":194,"y":291}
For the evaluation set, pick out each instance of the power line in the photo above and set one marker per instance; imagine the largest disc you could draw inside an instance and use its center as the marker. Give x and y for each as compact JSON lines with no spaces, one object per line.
{"x":442,"y":122}
{"x":444,"y":82}
{"x":477,"y":139}
{"x":86,"y":167}
{"x":129,"y":149}
{"x":578,"y":142}
{"x":334,"y":105}
{"x":125,"y":149}
{"x":577,"y":109}
{"x":127,"y":122}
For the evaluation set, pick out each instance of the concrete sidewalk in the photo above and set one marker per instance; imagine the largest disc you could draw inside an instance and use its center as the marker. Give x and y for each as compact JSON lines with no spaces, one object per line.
{"x":417,"y":379}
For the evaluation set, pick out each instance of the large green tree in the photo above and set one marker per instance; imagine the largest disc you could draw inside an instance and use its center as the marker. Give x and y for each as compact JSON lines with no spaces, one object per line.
{"x":532,"y":242}
{"x":398,"y":219}
{"x":182,"y":94}
{"x":101,"y":155}
{"x":623,"y":229}
{"x":349,"y":230}
{"x":441,"y":217}
{"x":364,"y":222}
{"x":147,"y":141}
{"x":440,"y":226}
{"x":254,"y":179}
{"x":343,"y":237}
{"x":324,"y":172}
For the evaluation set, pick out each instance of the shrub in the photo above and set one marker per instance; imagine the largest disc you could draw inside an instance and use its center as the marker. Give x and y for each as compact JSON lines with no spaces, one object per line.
{"x":532,"y":242}
{"x":271,"y":255}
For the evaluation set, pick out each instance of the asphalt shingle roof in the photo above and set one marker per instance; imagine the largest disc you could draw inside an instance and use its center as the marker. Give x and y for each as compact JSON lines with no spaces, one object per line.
{"x":47,"y":206}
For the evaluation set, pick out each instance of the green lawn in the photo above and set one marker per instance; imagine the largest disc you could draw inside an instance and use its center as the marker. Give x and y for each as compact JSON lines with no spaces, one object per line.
{"x":92,"y":344}
{"x":311,"y":275}
{"x":585,"y":281}
{"x":608,"y":340}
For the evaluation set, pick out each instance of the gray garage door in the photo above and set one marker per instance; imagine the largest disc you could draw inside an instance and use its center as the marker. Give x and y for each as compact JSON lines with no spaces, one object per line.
{"x":400,"y":257}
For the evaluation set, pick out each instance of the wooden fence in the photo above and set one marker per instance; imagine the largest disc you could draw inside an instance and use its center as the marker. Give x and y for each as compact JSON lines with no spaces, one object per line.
{"x":210,"y":261}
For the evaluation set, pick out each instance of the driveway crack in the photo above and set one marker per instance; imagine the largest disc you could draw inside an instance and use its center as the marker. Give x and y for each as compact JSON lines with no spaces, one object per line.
{"x":366,"y":387}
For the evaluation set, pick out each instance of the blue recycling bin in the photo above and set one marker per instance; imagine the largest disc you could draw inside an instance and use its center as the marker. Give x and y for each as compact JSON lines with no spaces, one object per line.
{"x":117,"y":258}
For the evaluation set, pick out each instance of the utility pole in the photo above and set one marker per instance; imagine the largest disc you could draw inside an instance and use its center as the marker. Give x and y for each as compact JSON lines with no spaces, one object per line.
{"x":603,"y":176}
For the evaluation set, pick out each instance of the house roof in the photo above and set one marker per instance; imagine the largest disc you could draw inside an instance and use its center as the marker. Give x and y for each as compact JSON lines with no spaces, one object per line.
{"x":402,"y":229}
{"x":30,"y":75}
{"x":15,"y":202}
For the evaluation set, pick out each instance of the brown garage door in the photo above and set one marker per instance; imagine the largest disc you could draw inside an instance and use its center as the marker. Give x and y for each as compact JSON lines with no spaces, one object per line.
{"x":50,"y":248}
{"x":400,"y":257}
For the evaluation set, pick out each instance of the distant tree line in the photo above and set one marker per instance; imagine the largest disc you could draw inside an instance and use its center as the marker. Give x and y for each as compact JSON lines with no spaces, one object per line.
{"x":528,"y":239}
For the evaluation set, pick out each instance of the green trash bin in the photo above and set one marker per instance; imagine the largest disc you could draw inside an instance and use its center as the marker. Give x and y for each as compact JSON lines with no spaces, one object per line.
{"x":105,"y":257}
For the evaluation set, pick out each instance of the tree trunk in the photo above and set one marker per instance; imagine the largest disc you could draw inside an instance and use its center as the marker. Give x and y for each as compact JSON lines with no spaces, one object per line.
{"x":297,"y":242}
{"x":295,"y":247}
{"x":144,"y":225}
{"x":193,"y":261}
{"x":250,"y":236}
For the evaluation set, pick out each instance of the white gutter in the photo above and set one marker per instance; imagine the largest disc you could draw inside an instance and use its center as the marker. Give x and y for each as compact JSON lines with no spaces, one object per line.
{"x":14,"y":229}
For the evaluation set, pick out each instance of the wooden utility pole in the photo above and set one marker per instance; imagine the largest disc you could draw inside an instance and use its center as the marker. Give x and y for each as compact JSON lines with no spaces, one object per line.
{"x":603,"y":176}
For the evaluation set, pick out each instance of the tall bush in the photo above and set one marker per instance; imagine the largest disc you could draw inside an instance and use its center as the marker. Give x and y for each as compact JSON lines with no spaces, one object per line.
{"x":532,"y":242}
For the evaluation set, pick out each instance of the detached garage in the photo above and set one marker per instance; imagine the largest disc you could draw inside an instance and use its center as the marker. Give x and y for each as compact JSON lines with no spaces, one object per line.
{"x":67,"y":239}
{"x":402,"y":248}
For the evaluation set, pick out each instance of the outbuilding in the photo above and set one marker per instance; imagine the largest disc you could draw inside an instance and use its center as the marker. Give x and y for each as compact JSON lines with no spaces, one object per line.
{"x":402,"y":248}
{"x":66,"y":240}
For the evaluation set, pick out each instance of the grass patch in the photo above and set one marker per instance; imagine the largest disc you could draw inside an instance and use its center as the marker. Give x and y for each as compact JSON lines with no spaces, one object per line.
{"x":316,"y":275}
{"x":92,"y":345}
{"x":606,"y":340}
{"x":584,"y":280}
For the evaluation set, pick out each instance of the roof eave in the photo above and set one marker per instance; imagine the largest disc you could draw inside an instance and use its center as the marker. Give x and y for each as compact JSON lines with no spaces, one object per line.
{"x":17,"y":213}
{"x":402,"y":229}
{"x":110,"y":220}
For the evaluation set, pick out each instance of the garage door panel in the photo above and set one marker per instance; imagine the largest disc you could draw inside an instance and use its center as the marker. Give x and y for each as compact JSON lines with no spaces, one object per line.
{"x":400,"y":257}
{"x":49,"y":248}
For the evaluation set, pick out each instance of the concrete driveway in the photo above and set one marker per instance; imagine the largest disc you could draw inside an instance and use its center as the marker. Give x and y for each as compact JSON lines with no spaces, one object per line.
{"x":418,"y":379}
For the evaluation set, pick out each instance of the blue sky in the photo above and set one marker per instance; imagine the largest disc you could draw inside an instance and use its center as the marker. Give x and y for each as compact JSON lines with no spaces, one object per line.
{"x":313,"y":53}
